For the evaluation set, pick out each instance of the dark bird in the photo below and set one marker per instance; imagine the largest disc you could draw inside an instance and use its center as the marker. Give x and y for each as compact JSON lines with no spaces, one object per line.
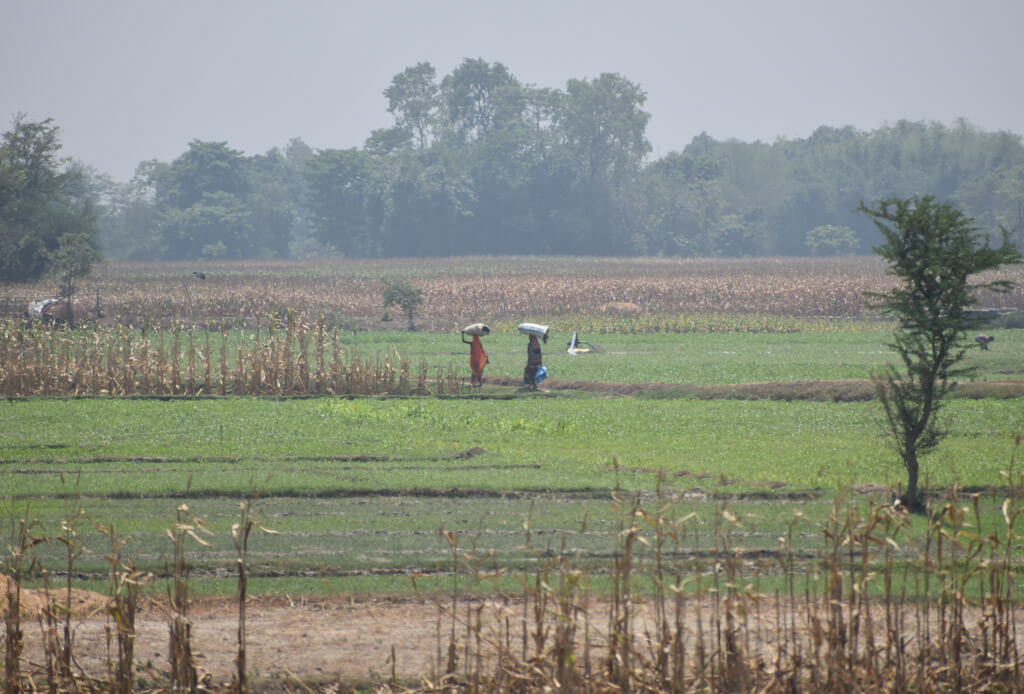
{"x":983,"y":340}
{"x":200,"y":275}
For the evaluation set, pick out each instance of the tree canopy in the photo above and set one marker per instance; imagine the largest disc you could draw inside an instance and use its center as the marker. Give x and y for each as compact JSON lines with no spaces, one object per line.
{"x":42,"y":199}
{"x":477,"y":162}
{"x":934,"y":251}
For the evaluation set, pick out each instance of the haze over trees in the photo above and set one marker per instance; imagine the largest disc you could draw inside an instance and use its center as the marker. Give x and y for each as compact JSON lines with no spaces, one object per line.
{"x":43,"y":199}
{"x":476,"y":162}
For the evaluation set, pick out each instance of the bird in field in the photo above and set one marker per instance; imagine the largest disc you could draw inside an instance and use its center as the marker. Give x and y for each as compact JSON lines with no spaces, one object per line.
{"x":200,"y":275}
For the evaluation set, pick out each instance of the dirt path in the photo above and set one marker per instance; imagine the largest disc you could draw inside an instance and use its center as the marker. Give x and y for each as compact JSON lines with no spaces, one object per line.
{"x":312,"y":640}
{"x":307,"y":644}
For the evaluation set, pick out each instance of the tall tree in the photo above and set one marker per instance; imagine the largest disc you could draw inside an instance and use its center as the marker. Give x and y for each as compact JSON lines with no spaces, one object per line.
{"x":933,"y":250}
{"x":130,"y":229}
{"x":217,"y":226}
{"x":214,"y":202}
{"x":73,"y":258}
{"x":681,"y":202}
{"x":604,"y":126}
{"x":479,"y":98}
{"x":414,"y":100}
{"x":206,"y":167}
{"x":42,"y":197}
{"x":339,"y":181}
{"x":272,"y":203}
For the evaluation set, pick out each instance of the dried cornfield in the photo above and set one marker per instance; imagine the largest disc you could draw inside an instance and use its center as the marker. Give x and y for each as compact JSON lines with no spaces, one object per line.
{"x":859,"y":620}
{"x":349,"y":293}
{"x":288,"y":359}
{"x":682,"y":606}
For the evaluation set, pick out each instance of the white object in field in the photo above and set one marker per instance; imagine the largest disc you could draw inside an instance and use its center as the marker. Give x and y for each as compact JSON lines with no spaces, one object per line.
{"x":477,"y":330}
{"x":36,"y":308}
{"x":534,"y":329}
{"x":578,"y":346}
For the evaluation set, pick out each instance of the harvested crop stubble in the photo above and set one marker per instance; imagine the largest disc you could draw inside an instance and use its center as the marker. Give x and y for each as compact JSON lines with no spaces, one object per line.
{"x":505,"y":287}
{"x":348,"y":291}
{"x":296,"y":360}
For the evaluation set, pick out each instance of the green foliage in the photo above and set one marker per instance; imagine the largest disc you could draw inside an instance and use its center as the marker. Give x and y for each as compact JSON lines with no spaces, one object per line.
{"x":476,"y":162}
{"x":829,"y":239}
{"x":217,"y":225}
{"x":73,"y":258}
{"x":42,"y":198}
{"x":210,"y":202}
{"x":373,"y":476}
{"x":340,"y":186}
{"x":479,"y":98}
{"x":933,"y":250}
{"x":401,"y":293}
{"x":206,"y":167}
{"x":376,"y":476}
{"x":414,"y":99}
{"x":328,"y":446}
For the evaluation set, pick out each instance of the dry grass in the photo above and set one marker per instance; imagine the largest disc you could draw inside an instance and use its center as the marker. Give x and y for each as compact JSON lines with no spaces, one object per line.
{"x":349,"y":292}
{"x":692,"y":612}
{"x":949,"y":621}
{"x":288,"y":359}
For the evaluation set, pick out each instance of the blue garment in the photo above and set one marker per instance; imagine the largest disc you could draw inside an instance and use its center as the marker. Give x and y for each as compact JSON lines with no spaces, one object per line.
{"x":541,"y":374}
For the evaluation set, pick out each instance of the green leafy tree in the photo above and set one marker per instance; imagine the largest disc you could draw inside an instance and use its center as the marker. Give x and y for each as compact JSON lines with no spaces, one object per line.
{"x":681,"y":201}
{"x":129,"y":229}
{"x":933,"y":250}
{"x":271,"y":204}
{"x":735,"y":236}
{"x":206,"y":167}
{"x":399,"y":292}
{"x":42,"y":197}
{"x":829,"y":239}
{"x":604,"y":126}
{"x":339,"y":184}
{"x":214,"y":202}
{"x":385,"y":141}
{"x":73,"y":258}
{"x":218,"y":225}
{"x":480,"y":98}
{"x":414,"y":100}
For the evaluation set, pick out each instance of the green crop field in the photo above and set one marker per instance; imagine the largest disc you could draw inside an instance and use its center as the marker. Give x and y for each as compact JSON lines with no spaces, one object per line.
{"x":360,"y":489}
{"x":714,"y":472}
{"x":697,"y":358}
{"x":741,"y":383}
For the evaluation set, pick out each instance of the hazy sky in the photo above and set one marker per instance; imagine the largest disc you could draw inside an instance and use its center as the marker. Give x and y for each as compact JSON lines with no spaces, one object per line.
{"x":130,"y":80}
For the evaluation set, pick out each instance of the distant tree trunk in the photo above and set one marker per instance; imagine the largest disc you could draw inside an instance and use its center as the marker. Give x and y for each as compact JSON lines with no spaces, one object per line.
{"x":67,"y":290}
{"x":911,"y":498}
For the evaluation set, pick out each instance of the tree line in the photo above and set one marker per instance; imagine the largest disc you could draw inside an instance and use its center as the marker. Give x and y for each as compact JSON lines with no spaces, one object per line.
{"x":476,"y":162}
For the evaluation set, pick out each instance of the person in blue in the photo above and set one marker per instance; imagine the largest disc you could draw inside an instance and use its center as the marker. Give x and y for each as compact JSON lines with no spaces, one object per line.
{"x":534,"y":372}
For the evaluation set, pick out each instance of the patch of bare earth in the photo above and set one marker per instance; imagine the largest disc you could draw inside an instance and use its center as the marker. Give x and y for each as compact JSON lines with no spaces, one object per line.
{"x":341,"y":639}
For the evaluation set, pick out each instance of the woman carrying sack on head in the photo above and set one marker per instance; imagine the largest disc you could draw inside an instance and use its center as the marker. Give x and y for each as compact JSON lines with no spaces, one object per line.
{"x":534,"y":372}
{"x":477,"y":356}
{"x":477,"y":362}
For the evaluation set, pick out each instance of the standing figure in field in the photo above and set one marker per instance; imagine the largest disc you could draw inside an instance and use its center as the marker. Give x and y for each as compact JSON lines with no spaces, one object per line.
{"x":477,"y":356}
{"x":477,"y":362}
{"x":534,"y":372}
